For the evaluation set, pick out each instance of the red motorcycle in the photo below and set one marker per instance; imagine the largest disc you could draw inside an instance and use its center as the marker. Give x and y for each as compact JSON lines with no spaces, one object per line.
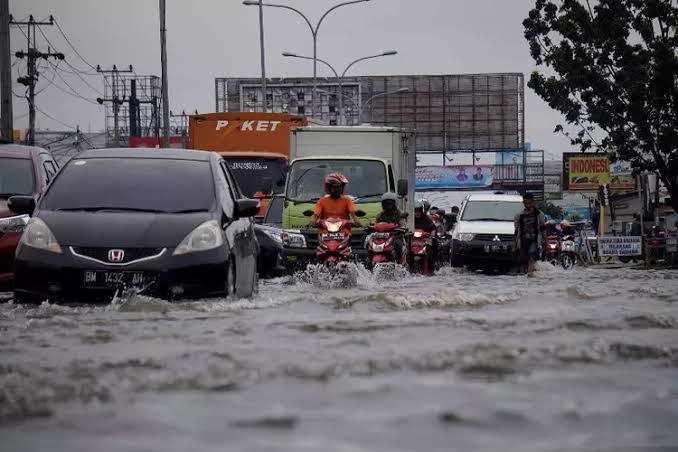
{"x":380,"y":244}
{"x":420,"y":252}
{"x":334,"y":240}
{"x":552,"y":249}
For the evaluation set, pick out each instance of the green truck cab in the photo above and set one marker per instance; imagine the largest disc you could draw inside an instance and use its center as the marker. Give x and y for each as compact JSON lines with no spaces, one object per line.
{"x":375,"y":160}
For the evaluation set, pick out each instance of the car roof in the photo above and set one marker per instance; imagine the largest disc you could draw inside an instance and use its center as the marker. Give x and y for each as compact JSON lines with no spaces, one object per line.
{"x":19,"y":151}
{"x":495,"y":197}
{"x":147,"y":153}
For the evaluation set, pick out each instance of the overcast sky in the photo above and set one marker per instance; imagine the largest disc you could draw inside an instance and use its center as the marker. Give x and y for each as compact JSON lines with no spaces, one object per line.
{"x":211,"y":38}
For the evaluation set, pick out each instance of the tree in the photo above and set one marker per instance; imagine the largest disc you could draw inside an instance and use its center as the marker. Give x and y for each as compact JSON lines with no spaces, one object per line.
{"x":550,"y":209}
{"x":613,"y":74}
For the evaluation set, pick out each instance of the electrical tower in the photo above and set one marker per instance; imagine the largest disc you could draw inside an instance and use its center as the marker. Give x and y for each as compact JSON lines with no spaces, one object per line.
{"x":116,"y":99}
{"x":31,"y":78}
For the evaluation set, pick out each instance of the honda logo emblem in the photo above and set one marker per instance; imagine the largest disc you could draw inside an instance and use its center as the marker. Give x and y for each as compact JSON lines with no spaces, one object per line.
{"x":116,"y":255}
{"x":496,"y":239}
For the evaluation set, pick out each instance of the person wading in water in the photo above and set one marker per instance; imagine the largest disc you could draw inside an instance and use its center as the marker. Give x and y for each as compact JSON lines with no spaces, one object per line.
{"x":529,"y":225}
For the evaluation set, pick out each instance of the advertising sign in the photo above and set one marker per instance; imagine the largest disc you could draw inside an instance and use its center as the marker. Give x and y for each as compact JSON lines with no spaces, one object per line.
{"x":552,"y":187}
{"x":576,"y":213}
{"x":621,"y":177}
{"x":585,"y":171}
{"x":432,"y":177}
{"x":620,"y":246}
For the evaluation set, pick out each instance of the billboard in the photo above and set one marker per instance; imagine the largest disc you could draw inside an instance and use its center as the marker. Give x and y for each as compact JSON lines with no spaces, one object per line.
{"x":585,"y":172}
{"x":432,"y":177}
{"x":621,"y":177}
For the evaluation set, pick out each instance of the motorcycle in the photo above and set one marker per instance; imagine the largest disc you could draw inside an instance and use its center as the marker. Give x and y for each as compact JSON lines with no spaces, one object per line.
{"x":380,"y":244}
{"x":552,"y":249}
{"x":568,"y":253}
{"x":421,"y":247}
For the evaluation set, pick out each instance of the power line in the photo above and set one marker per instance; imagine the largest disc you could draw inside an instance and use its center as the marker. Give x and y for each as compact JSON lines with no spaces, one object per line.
{"x":74,"y":92}
{"x":72,"y":46}
{"x":56,"y":120}
{"x":69,"y":65}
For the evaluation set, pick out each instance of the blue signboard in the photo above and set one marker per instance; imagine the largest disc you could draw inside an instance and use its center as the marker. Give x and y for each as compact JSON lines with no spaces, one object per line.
{"x":432,"y":177}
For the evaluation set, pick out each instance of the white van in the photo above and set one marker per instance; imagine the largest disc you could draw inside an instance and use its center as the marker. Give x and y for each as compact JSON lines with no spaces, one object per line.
{"x":484,"y":233}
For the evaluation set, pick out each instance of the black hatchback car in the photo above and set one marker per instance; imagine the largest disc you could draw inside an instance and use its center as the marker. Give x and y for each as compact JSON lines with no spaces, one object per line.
{"x":170,"y":223}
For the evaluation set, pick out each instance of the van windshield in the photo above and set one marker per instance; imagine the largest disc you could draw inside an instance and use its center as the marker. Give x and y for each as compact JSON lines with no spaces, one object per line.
{"x":249,"y":172}
{"x":367,"y":179}
{"x":491,"y":210}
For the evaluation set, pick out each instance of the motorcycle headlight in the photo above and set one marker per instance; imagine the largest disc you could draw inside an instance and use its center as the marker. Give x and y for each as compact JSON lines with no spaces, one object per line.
{"x":14,"y":224}
{"x":293,"y":240}
{"x":553,"y":246}
{"x":275,"y":236}
{"x":333,"y":226}
{"x":38,"y":235}
{"x":205,"y":237}
{"x":418,"y":234}
{"x":464,"y":236}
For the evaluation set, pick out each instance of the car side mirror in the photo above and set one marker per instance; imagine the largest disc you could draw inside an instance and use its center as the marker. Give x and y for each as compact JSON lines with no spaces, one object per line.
{"x":22,"y":205}
{"x":360,"y":213}
{"x":405,"y":215}
{"x":403,"y":187}
{"x":307,"y":213}
{"x":245,"y":208}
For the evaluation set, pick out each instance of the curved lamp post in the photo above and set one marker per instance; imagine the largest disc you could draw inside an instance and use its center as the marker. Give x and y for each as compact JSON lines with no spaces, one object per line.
{"x":340,"y":78}
{"x":314,"y":31}
{"x":387,"y":93}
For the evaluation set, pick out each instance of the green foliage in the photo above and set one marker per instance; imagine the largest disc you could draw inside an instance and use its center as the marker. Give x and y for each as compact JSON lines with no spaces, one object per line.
{"x":550,"y":209}
{"x":613,"y":72}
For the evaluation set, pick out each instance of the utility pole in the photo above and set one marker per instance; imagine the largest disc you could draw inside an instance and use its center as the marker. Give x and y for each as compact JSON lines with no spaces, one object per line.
{"x":7,"y":127}
{"x":31,"y":79}
{"x":115,"y":98}
{"x":183,"y":126}
{"x":165,"y":90}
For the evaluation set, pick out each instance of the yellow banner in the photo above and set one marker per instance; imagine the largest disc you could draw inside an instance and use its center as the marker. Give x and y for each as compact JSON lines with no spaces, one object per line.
{"x":588,"y":172}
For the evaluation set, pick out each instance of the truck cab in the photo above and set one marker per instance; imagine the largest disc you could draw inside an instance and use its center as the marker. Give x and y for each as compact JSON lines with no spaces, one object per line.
{"x":375,"y":160}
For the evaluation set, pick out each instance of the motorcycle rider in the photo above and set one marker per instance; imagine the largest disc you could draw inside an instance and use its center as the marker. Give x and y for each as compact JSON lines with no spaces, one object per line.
{"x":421,"y":220}
{"x":566,"y":228}
{"x":335,"y":203}
{"x":392,"y":215}
{"x":529,"y":227}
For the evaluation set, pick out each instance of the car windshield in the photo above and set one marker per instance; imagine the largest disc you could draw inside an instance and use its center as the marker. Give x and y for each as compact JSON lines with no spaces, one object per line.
{"x":158,"y":185}
{"x":16,"y":177}
{"x":367,"y":179}
{"x":274,"y":211}
{"x":249,"y":172}
{"x":491,"y":210}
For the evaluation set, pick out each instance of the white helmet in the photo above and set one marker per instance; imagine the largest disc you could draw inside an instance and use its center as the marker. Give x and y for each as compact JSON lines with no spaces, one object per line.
{"x":389,"y":196}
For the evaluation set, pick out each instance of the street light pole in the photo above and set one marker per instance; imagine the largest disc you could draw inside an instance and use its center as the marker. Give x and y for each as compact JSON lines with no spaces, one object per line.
{"x":340,"y":78}
{"x":263,"y":56}
{"x":165,"y":89}
{"x":314,"y":32}
{"x":397,"y":91}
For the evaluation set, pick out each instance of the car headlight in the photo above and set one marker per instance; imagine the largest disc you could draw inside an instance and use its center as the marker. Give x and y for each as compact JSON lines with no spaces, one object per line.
{"x":333,"y":226}
{"x":275,"y":236}
{"x":464,"y":236}
{"x":14,"y":224}
{"x":205,"y":237}
{"x":38,"y":235}
{"x":293,"y":240}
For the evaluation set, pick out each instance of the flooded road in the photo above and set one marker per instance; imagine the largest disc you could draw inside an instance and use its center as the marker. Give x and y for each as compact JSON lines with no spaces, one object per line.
{"x":585,"y":360}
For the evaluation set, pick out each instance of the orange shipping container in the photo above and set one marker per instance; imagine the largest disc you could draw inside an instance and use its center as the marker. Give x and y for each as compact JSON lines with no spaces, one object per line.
{"x":239,"y":131}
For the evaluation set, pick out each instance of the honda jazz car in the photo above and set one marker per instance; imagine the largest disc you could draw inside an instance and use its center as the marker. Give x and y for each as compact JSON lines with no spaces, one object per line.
{"x":169,"y":223}
{"x":24,"y":170}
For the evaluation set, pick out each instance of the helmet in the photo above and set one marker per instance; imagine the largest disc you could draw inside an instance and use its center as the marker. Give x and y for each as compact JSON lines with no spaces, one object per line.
{"x":565,"y":224}
{"x":426,"y":204}
{"x":386,"y":197}
{"x":418,"y":205}
{"x":337,"y":179}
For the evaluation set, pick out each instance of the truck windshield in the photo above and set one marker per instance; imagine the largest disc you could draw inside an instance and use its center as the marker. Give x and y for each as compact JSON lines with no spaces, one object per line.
{"x":250,"y":172}
{"x":16,"y":177}
{"x":367,"y":179}
{"x":491,"y":210}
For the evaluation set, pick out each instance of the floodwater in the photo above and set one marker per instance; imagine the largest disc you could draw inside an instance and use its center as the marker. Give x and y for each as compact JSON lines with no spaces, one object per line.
{"x":585,"y":360}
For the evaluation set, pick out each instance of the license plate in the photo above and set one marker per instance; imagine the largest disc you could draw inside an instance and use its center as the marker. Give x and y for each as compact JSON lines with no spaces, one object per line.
{"x":98,"y":278}
{"x":496,"y":248}
{"x":333,"y":236}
